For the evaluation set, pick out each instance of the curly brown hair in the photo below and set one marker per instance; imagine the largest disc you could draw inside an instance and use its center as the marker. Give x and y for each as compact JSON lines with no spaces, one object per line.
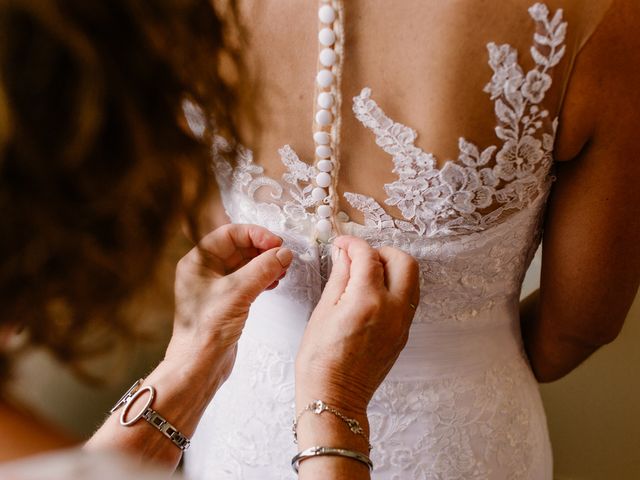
{"x":97,"y":165}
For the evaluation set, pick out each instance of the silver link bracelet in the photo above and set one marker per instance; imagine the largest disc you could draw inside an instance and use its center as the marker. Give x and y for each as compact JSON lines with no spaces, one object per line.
{"x":149,"y":414}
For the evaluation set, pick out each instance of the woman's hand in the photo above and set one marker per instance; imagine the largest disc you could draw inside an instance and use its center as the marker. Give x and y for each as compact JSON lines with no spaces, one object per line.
{"x":353,"y":338}
{"x":216,"y":283}
{"x":360,"y":325}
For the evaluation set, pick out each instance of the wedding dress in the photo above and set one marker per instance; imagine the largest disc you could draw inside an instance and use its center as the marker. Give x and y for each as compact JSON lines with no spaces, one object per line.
{"x":461,"y":402}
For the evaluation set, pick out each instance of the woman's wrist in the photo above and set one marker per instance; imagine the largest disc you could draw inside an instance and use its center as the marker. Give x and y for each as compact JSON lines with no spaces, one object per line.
{"x":317,"y":387}
{"x":194,"y":381}
{"x":178,"y":398}
{"x":326,"y":420}
{"x":184,"y":385}
{"x":196,"y":358}
{"x":327,"y":429}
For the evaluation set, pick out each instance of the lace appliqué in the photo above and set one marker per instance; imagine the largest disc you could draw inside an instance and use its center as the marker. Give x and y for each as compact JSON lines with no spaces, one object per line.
{"x":250,"y":196}
{"x":483,"y":186}
{"x":477,"y":426}
{"x":266,"y":388}
{"x":283,"y":207}
{"x":467,"y":427}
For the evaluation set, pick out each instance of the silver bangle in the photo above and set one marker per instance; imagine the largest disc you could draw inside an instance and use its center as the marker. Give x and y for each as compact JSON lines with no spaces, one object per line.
{"x":329,"y":451}
{"x":148,"y":414}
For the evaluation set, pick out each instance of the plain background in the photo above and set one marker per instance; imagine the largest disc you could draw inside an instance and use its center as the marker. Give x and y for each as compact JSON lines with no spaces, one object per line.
{"x":592,"y":413}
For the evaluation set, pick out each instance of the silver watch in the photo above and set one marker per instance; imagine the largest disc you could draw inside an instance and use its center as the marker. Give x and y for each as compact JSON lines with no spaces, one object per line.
{"x":148,"y":414}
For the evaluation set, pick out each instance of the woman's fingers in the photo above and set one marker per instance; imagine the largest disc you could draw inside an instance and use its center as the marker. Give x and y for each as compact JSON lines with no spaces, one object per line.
{"x":366,"y":270}
{"x":355,"y":341}
{"x":401,"y":274}
{"x":339,"y":277}
{"x":260,"y":273}
{"x":232,"y":245}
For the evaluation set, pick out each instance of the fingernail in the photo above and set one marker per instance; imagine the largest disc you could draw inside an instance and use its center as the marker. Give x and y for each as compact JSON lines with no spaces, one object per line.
{"x":335,"y":254}
{"x":284,"y":256}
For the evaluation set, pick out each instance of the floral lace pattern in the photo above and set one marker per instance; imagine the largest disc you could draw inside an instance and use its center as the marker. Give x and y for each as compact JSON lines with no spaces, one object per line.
{"x":267,"y":386}
{"x":471,"y":195}
{"x":460,"y":279}
{"x":473,"y":226}
{"x":284,"y":208}
{"x":479,"y":425}
{"x":475,"y":426}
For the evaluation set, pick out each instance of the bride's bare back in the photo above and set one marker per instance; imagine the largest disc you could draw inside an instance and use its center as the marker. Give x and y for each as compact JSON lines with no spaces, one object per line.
{"x":427,"y":65}
{"x":425,"y":61}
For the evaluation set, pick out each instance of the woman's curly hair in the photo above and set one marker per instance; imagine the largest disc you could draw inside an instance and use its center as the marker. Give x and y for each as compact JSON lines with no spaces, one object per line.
{"x":97,"y":165}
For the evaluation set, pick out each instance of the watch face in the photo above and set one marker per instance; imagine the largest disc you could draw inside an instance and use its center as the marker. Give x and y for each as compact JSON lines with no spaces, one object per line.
{"x":133,"y":389}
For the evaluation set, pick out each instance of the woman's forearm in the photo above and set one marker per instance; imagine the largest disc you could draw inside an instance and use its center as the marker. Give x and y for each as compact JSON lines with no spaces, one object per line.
{"x":325,"y":430}
{"x":183,"y":391}
{"x":216,"y":282}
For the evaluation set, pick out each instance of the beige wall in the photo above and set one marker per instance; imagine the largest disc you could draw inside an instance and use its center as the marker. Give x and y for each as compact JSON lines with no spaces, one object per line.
{"x":593,"y":413}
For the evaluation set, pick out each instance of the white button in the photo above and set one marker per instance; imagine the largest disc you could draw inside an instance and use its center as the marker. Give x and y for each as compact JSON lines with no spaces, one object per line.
{"x":327,"y":14}
{"x":323,"y":151}
{"x":325,"y":100}
{"x":325,"y":165}
{"x":324,"y":211}
{"x":323,"y":179}
{"x":324,"y":78}
{"x":328,"y":57}
{"x":327,"y":37}
{"x":324,"y":117}
{"x":321,"y":138}
{"x":342,"y":217}
{"x":318,"y":194}
{"x":323,"y":237}
{"x":324,"y":226}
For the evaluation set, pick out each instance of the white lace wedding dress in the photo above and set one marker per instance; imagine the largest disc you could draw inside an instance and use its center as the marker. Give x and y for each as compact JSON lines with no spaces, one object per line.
{"x":461,"y":403}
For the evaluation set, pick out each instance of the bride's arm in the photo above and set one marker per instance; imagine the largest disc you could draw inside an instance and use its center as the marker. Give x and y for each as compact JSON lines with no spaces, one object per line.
{"x":591,"y":246}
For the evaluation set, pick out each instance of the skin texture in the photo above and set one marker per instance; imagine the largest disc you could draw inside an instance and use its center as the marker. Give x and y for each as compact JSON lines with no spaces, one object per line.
{"x":591,"y":247}
{"x":351,"y":342}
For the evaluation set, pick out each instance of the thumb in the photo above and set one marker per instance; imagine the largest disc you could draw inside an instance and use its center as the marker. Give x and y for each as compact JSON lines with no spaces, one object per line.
{"x":262,"y":271}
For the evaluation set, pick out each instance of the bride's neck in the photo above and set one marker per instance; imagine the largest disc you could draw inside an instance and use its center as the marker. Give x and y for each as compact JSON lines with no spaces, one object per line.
{"x":22,"y":433}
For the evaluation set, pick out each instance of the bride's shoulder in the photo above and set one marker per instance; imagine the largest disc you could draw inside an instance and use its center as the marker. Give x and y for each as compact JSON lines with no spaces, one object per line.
{"x":604,"y":83}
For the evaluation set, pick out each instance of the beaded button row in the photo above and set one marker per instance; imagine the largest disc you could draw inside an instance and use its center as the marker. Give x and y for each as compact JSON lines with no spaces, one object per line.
{"x":324,"y":119}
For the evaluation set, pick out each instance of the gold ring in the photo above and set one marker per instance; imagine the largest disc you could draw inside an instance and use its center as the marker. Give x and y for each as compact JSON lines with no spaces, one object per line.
{"x":412,"y":306}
